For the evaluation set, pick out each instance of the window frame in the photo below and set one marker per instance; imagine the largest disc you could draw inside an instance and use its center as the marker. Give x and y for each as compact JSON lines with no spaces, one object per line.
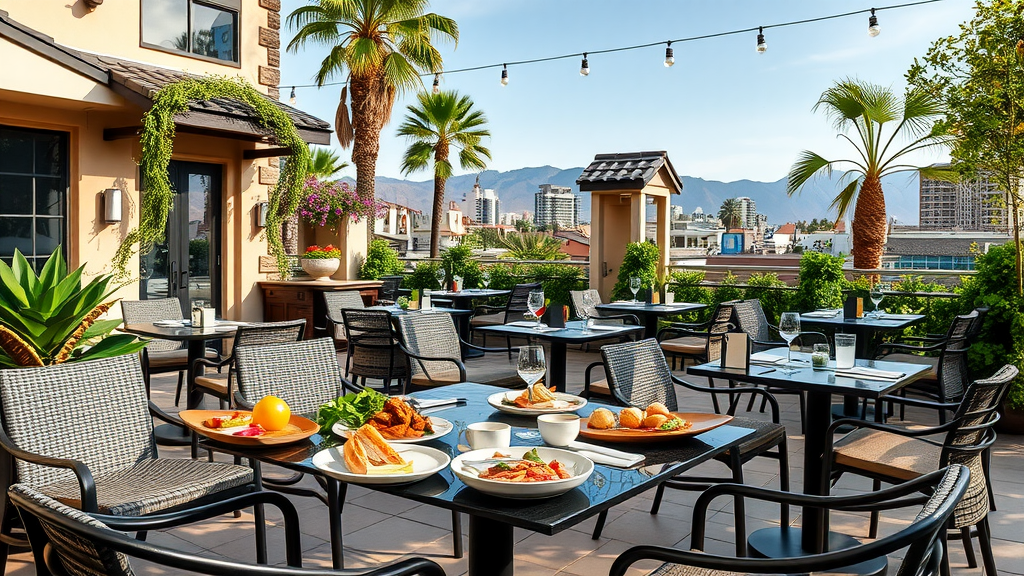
{"x":234,"y":6}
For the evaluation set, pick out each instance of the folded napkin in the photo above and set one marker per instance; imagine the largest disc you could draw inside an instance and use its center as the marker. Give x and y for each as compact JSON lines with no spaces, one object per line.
{"x":232,"y":323}
{"x":170,"y":323}
{"x":606,"y":456}
{"x":766,"y":358}
{"x":822,"y":314}
{"x":438,"y":402}
{"x":526,"y":324}
{"x":627,"y":302}
{"x":604,"y":327}
{"x":869,"y":373}
{"x":887,"y":316}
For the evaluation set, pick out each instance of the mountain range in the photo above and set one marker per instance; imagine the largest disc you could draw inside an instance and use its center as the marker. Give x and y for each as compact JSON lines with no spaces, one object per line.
{"x":516,"y":188}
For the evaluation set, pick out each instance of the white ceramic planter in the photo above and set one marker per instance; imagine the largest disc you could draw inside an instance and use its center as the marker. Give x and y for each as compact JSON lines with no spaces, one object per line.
{"x":320,"y":268}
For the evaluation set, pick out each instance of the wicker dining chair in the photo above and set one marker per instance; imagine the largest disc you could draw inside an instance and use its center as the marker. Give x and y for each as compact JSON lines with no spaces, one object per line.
{"x":434,"y":352}
{"x":68,"y":542}
{"x":689,"y":341}
{"x":921,"y":540}
{"x":387,"y":294}
{"x":219,"y":384}
{"x":513,"y":310}
{"x":161,"y":356}
{"x":103,"y":456}
{"x":373,"y":350}
{"x":336,"y":301}
{"x":638,"y":375}
{"x":895,"y":454}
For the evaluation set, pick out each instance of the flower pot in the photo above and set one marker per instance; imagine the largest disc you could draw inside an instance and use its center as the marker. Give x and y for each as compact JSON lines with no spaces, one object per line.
{"x":320,"y":268}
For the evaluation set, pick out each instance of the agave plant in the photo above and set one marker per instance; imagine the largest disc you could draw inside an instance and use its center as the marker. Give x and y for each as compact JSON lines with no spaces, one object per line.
{"x":533,"y":246}
{"x":51,"y":318}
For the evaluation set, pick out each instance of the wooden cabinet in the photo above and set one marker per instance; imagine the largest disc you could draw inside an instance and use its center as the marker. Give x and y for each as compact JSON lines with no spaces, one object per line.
{"x":293,"y":300}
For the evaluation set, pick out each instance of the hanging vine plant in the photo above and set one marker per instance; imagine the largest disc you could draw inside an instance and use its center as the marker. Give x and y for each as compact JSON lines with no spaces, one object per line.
{"x":157,"y":145}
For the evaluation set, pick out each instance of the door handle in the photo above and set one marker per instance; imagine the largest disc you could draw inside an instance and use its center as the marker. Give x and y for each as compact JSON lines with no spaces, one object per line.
{"x":172,"y":278}
{"x":183,"y":282}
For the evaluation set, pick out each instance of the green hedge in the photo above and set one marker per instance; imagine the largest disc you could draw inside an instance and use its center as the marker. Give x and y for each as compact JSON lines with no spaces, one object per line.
{"x":556,"y":279}
{"x":640,"y":261}
{"x":381,"y":260}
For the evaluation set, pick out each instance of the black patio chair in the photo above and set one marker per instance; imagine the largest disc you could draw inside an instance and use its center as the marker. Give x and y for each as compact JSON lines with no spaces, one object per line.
{"x":921,"y":538}
{"x":67,"y":542}
{"x":512,"y":311}
{"x":689,"y":341}
{"x":387,"y":294}
{"x":893,"y":454}
{"x":373,"y":350}
{"x":639,"y":375}
{"x":336,"y":301}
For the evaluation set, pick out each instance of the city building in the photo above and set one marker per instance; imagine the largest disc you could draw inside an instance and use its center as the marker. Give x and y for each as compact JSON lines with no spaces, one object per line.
{"x":782,"y":239}
{"x":396,"y":225}
{"x":556,"y":205}
{"x":676,"y":212}
{"x":576,"y":244}
{"x":975,"y":204}
{"x":510,"y":218}
{"x":453,"y":228}
{"x":698,"y":215}
{"x":482,"y":205}
{"x":748,"y":208}
{"x":938,"y":250}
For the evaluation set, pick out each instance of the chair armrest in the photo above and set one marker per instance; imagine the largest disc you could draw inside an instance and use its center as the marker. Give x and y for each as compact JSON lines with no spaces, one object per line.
{"x":673,"y":332}
{"x":482,"y":349}
{"x":162,"y":521}
{"x":485,"y":309}
{"x":632,"y":317}
{"x":732,"y":392}
{"x":458,"y":363}
{"x":889,"y":347}
{"x":156,"y":412}
{"x":952,"y":406}
{"x":208,"y":363}
{"x":85,"y":480}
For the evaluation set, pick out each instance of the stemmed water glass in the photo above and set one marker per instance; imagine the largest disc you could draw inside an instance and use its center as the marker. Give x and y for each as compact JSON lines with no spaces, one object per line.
{"x":634,"y":287}
{"x":531,"y":366}
{"x":789,"y":329}
{"x":535,"y":303}
{"x":441,"y":276}
{"x":585,"y":310}
{"x":485,"y":278}
{"x":877,"y":295}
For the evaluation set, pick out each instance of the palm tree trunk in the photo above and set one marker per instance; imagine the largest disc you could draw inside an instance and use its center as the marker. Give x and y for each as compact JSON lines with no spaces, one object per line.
{"x":869,"y":225}
{"x":367,"y":123}
{"x":440,"y":155}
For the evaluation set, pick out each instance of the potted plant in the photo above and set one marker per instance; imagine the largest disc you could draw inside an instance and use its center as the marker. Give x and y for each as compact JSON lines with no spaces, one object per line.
{"x":321,"y":263}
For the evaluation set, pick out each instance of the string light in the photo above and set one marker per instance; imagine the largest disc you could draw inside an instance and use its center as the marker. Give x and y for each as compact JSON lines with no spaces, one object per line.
{"x":504,"y":74}
{"x":873,"y":28}
{"x":762,"y":46}
{"x":292,"y":98}
{"x":437,"y":83}
{"x":584,"y":66}
{"x":670,"y":57}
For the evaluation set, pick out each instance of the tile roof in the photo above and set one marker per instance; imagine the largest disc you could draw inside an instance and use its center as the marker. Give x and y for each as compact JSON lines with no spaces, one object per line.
{"x":626,"y":171}
{"x":940,"y":246}
{"x":787,"y":228}
{"x":572,"y":235}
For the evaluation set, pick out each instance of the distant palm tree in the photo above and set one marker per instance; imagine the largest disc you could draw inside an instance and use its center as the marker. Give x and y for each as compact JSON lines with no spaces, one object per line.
{"x":731,"y":213}
{"x":434,"y":124}
{"x":324,"y":163}
{"x":533,"y":246}
{"x":867,"y":108}
{"x":381,"y":46}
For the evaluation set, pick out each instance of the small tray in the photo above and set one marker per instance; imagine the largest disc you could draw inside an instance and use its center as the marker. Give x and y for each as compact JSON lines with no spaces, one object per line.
{"x":700,"y":422}
{"x":298,"y":428}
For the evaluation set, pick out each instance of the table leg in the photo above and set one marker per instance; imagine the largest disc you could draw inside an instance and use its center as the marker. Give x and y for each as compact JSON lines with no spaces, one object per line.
{"x":335,"y":500}
{"x":491,"y":547}
{"x":194,"y":398}
{"x":650,"y":325}
{"x":556,"y":367}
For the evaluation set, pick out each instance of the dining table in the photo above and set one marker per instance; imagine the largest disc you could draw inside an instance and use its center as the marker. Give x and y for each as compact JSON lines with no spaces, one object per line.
{"x":492,"y":519}
{"x":820,"y":384}
{"x":559,"y":338}
{"x":464,"y":300}
{"x":649,"y":313}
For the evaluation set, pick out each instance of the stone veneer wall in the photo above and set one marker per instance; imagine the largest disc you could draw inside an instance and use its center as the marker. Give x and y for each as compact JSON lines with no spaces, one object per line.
{"x":270,"y":38}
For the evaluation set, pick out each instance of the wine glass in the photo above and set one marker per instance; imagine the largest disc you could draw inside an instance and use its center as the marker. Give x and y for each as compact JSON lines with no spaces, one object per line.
{"x":586,"y":309}
{"x":634,"y":287}
{"x":876,"y":298}
{"x":440,"y":276}
{"x":536,"y":303}
{"x":485,"y":278}
{"x":531,"y":366}
{"x":789,"y":329}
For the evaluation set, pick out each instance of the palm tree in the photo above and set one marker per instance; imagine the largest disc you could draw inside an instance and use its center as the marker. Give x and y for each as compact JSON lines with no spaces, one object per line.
{"x":868,"y":108}
{"x":731,"y":213}
{"x":324,"y":163}
{"x":382,"y":47}
{"x":435,"y":124}
{"x":533,"y":246}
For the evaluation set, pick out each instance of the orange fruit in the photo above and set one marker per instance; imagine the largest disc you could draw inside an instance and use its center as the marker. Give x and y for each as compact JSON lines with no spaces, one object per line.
{"x":272,"y":413}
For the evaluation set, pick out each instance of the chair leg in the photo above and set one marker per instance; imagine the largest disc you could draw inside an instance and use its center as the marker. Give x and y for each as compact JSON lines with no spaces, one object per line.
{"x":876,"y":485}
{"x":738,"y":506}
{"x":177,"y":393}
{"x":714,"y":397}
{"x":658,"y":494}
{"x":944,"y":537}
{"x":457,"y":534}
{"x":985,"y":542}
{"x":601,"y":518}
{"x":784,"y":480}
{"x":965,"y":536}
{"x":986,"y":464}
{"x":803,"y":412}
{"x":259,"y":516}
{"x":508,"y":345}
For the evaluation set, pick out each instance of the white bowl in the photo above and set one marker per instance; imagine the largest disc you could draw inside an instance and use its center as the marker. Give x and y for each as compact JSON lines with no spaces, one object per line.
{"x":425,"y":462}
{"x":580,"y":465}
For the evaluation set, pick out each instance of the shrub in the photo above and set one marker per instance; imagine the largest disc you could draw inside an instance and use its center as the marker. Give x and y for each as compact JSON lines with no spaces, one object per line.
{"x":821,"y":282}
{"x":381,"y":260}
{"x":533,"y":246}
{"x":686,"y":285}
{"x":938,"y":312}
{"x":769,"y":290}
{"x":641,"y":261}
{"x":556,"y":279}
{"x":423,"y":277}
{"x":727,"y":289}
{"x":458,"y":261}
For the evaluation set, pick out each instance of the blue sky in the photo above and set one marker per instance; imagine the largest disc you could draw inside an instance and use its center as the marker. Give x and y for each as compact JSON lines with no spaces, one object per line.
{"x":723,"y":112}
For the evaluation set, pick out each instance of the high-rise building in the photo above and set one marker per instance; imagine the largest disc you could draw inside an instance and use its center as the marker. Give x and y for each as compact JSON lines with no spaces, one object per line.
{"x":556,"y":205}
{"x":975,"y":204}
{"x":482,"y":205}
{"x":748,"y":208}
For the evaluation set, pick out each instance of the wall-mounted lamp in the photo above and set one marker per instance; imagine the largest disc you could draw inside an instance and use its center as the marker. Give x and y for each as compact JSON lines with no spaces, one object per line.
{"x":93,"y":4}
{"x":262,"y":209}
{"x":112,"y":205}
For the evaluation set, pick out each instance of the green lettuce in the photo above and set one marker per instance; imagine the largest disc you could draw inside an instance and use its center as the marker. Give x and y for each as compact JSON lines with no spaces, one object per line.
{"x":353,"y":409}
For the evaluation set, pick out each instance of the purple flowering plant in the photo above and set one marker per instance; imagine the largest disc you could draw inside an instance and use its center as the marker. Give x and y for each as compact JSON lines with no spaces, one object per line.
{"x":329,"y":203}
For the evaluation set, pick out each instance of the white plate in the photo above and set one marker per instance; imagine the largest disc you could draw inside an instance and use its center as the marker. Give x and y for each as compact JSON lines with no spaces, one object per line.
{"x":425,"y":462}
{"x":441,"y":427}
{"x":495,"y":401}
{"x":577,"y":463}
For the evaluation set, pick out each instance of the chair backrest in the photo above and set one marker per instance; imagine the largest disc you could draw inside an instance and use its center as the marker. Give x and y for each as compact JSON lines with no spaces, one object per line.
{"x":141,"y":311}
{"x":638,"y":374}
{"x":96,"y":412}
{"x":978,"y":324}
{"x":304,"y":374}
{"x":748,"y":316}
{"x":721,"y":322}
{"x":432,"y":335}
{"x":578,"y":304}
{"x":516,"y":305}
{"x":373,"y":344}
{"x":262,"y":333}
{"x":923,"y":556}
{"x":952,"y":370}
{"x":974,"y":432}
{"x":342,"y":300}
{"x":389,"y":289}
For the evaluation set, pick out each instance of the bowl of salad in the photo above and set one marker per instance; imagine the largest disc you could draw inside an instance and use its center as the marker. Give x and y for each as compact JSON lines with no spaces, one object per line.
{"x":522,"y":472}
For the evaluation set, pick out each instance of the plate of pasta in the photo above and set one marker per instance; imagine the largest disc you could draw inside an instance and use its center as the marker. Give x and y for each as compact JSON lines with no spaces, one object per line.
{"x":522,"y":472}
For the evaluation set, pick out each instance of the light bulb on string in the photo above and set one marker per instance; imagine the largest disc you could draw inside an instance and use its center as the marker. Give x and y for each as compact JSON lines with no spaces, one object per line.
{"x":291,"y":98}
{"x":670,"y":57}
{"x":762,"y":46}
{"x":873,"y":28}
{"x":584,"y":66}
{"x":504,"y":74}
{"x":437,"y":83}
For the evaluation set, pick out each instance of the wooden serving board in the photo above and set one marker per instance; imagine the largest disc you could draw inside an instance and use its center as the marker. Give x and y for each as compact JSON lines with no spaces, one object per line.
{"x":298,"y":428}
{"x":699,"y":422}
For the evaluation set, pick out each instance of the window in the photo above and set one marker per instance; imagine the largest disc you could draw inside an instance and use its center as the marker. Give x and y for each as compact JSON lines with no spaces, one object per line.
{"x":33,"y":192}
{"x":207,"y":28}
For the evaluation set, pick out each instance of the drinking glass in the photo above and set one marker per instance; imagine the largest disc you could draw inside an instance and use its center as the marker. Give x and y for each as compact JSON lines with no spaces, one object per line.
{"x":789,"y":329}
{"x":846,"y":350}
{"x":536,"y":303}
{"x":876,"y":298}
{"x":634,"y":287}
{"x":585,"y":310}
{"x":531,"y":367}
{"x":485,"y":278}
{"x":819,"y":356}
{"x":440,"y":276}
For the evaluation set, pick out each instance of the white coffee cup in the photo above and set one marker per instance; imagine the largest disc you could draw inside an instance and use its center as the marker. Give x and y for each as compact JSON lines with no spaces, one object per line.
{"x":558,"y":429}
{"x":488,"y":435}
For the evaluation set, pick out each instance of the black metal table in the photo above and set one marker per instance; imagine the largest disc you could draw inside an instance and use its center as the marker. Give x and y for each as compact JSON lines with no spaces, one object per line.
{"x":463,"y":299}
{"x":492,"y":519}
{"x":819,"y":385}
{"x":196,"y":338}
{"x":558,"y":338}
{"x":650,"y":313}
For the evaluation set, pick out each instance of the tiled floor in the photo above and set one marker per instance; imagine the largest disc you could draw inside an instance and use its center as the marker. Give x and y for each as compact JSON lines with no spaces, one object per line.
{"x":381,"y":528}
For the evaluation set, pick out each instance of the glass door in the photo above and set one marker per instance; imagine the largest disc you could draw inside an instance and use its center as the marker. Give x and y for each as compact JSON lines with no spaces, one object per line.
{"x":186,"y":264}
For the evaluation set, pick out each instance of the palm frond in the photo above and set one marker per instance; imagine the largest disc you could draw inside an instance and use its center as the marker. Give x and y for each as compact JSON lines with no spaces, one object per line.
{"x":846,"y":198}
{"x":472,"y":158}
{"x":417,"y":157}
{"x":806,"y":166}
